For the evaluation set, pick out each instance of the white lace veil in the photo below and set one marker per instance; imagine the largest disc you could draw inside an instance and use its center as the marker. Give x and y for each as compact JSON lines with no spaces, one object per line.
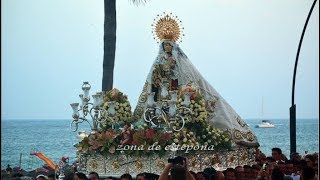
{"x":221,"y":114}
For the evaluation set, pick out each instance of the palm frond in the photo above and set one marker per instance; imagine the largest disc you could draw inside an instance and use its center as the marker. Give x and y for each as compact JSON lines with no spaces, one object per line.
{"x":138,"y":2}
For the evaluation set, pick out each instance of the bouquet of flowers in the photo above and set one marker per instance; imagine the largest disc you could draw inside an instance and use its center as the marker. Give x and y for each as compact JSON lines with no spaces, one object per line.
{"x":197,"y":105}
{"x":100,"y":142}
{"x":214,"y":136}
{"x":122,"y":106}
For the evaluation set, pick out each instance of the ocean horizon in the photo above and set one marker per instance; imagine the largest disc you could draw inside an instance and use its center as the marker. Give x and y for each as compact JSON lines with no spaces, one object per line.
{"x":54,"y":138}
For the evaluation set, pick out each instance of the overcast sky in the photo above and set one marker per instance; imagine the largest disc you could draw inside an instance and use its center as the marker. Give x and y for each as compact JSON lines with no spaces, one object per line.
{"x":245,"y":48}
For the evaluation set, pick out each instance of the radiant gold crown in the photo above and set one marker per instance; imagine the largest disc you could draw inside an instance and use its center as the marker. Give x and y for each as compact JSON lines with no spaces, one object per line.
{"x":167,"y":27}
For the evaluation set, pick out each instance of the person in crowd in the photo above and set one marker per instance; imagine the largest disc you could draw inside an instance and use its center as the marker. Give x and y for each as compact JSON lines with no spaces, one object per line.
{"x":277,"y":174}
{"x":200,"y":176}
{"x":308,"y":174}
{"x":126,"y":176}
{"x":277,"y":154}
{"x":289,"y":168}
{"x":255,"y":170}
{"x":310,"y":160}
{"x":230,"y":174}
{"x":8,"y":169}
{"x":141,"y":176}
{"x":295,"y":156}
{"x":16,"y":176}
{"x":69,"y":176}
{"x":282,"y":166}
{"x":270,"y":160}
{"x":151,"y":176}
{"x":219,"y":175}
{"x":193,"y":174}
{"x":210,"y":173}
{"x":93,"y":176}
{"x":247,"y":171}
{"x":80,"y":176}
{"x":51,"y":177}
{"x":239,"y":172}
{"x":177,"y":172}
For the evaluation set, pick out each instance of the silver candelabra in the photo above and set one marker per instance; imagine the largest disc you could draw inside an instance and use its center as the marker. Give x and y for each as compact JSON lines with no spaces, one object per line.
{"x":165,"y":113}
{"x":95,"y":110}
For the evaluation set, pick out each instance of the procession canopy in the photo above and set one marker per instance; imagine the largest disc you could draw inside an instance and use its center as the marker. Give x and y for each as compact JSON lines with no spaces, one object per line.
{"x":172,"y":66}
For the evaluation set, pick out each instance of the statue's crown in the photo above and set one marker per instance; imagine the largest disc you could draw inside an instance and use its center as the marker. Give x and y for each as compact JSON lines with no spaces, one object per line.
{"x":167,"y":27}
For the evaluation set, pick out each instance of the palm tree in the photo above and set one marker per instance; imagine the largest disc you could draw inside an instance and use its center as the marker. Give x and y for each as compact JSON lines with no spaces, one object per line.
{"x":110,"y":26}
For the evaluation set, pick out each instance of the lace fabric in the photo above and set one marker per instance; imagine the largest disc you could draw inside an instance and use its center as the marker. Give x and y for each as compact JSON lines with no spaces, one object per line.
{"x":221,"y":114}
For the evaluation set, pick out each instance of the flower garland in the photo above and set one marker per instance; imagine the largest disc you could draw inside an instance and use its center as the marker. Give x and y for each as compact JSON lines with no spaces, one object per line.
{"x":139,"y":142}
{"x":197,"y":131}
{"x":122,"y":105}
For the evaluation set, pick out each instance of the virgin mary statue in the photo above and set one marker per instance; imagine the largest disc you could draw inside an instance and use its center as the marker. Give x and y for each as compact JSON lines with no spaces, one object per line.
{"x":172,"y":65}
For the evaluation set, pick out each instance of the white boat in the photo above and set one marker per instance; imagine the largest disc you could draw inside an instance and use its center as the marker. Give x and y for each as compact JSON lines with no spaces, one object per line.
{"x":265,"y":124}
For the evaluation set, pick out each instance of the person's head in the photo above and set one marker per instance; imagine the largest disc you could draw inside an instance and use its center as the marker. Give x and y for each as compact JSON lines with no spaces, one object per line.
{"x":80,"y":176}
{"x":219,"y":175}
{"x":141,"y":176}
{"x":282,"y":166}
{"x":200,"y":176}
{"x":270,"y":159}
{"x":178,"y":172}
{"x":210,"y":173}
{"x":239,"y":172}
{"x":193,"y":174}
{"x":277,"y":174}
{"x":230,"y":174}
{"x":289,"y":168}
{"x":247,"y":171}
{"x":308,"y":173}
{"x":167,"y":47}
{"x":276,"y":154}
{"x":51,"y":177}
{"x":126,"y":176}
{"x":255,"y":170}
{"x":93,"y":176}
{"x":310,"y":160}
{"x":295,"y":157}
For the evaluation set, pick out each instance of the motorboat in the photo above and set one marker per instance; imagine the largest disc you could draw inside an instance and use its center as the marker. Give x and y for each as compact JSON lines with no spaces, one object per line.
{"x":265,"y":124}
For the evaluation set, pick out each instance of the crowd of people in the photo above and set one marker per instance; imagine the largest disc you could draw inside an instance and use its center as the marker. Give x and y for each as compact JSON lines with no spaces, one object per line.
{"x":274,"y":167}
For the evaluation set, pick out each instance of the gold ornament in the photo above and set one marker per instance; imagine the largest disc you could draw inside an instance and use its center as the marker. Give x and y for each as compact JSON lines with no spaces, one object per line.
{"x":167,"y":27}
{"x":93,"y":164}
{"x":161,"y":164}
{"x":138,"y":165}
{"x":115,"y":165}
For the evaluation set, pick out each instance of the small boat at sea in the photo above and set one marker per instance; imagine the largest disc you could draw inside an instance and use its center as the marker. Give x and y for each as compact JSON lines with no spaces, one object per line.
{"x":265,"y":124}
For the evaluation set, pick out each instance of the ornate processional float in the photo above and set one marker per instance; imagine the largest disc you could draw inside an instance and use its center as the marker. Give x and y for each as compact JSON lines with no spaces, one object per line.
{"x":178,"y":113}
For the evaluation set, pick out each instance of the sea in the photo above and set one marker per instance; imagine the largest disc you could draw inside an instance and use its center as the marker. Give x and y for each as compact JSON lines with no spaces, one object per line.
{"x":55,"y":139}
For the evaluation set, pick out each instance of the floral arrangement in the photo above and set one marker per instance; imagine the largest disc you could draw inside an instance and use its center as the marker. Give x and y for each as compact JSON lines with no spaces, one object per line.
{"x":197,"y":131}
{"x":137,"y":141}
{"x":122,"y":106}
{"x":197,"y":105}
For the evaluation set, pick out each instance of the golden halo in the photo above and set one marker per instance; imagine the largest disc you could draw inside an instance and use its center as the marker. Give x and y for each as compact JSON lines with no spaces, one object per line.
{"x":167,"y":27}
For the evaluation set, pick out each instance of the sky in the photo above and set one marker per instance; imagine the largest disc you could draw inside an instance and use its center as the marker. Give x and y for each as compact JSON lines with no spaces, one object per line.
{"x":246,"y":50}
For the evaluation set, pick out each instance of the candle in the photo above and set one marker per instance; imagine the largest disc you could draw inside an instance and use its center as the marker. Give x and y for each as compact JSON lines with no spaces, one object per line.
{"x":186,"y":101}
{"x":172,"y":108}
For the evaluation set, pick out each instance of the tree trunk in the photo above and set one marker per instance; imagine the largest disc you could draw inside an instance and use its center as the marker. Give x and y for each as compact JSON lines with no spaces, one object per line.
{"x":110,"y":26}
